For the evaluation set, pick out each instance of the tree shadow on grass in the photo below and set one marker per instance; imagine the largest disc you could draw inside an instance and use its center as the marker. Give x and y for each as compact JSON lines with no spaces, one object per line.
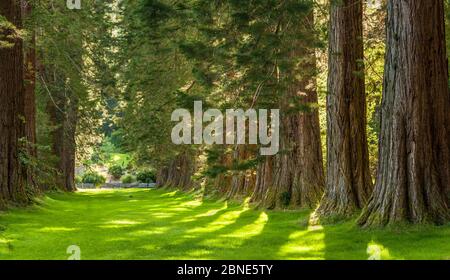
{"x":138,"y":224}
{"x":344,"y":241}
{"x":279,"y":238}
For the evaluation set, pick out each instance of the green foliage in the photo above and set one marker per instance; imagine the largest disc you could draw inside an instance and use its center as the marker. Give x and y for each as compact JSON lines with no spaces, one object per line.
{"x":116,"y":171}
{"x":225,"y":53}
{"x":75,"y":54}
{"x":108,"y":154}
{"x":93,"y":178}
{"x":146,"y":176}
{"x":78,"y":179}
{"x":155,"y":77}
{"x":128,"y":179}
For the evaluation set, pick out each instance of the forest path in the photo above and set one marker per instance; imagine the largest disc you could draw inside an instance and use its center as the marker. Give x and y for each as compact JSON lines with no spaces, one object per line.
{"x":159,"y":224}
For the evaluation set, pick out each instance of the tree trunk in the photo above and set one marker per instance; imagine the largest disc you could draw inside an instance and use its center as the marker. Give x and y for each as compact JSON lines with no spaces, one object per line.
{"x":263,"y":180}
{"x":220,"y":184}
{"x":63,"y":111}
{"x":180,"y":171}
{"x":349,"y":182}
{"x":242,"y":180}
{"x":69,"y":154}
{"x":414,"y":164}
{"x":30,"y":96}
{"x":13,"y":172}
{"x":297,"y":178}
{"x":161,"y":177}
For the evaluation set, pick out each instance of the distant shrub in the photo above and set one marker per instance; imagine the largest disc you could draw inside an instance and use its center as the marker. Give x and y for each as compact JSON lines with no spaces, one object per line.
{"x":128,"y":179}
{"x":146,"y":176}
{"x":116,"y":171}
{"x":93,"y":178}
{"x":78,"y":179}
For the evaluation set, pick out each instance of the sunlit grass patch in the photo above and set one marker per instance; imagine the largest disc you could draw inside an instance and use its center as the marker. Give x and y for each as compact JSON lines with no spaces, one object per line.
{"x":161,"y":224}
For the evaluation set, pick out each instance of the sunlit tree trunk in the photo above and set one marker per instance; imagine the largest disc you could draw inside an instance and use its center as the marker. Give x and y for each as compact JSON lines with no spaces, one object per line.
{"x":414,"y":164}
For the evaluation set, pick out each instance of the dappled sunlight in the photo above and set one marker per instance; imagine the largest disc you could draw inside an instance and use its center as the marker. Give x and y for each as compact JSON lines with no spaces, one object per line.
{"x":237,"y":234}
{"x":124,"y":222}
{"x":222,"y":221}
{"x":193,"y":203}
{"x":169,"y":194}
{"x":250,"y":230}
{"x":315,"y":227}
{"x":305,"y":244}
{"x":209,"y":213}
{"x":119,"y":224}
{"x":162,"y":225}
{"x":57,"y":229}
{"x":159,"y":230}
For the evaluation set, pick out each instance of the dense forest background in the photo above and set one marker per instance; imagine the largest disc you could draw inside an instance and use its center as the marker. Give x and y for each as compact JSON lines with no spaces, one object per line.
{"x":362,"y":88}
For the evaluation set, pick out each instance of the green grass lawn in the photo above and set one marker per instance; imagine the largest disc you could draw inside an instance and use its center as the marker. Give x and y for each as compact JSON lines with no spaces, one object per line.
{"x":156,"y":224}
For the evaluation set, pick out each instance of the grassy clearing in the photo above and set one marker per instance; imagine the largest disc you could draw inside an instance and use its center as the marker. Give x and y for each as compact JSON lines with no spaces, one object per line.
{"x":156,"y":224}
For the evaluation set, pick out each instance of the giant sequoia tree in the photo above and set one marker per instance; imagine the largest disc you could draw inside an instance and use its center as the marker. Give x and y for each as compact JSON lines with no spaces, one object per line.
{"x":296,"y":173}
{"x":13,"y":171}
{"x":414,"y":164}
{"x":348,"y":179}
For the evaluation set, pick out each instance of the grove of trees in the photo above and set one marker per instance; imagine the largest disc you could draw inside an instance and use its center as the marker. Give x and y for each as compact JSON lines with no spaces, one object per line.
{"x":363,"y":92}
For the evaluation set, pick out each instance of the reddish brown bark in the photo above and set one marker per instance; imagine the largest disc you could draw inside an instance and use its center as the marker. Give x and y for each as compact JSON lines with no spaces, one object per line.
{"x":263,"y":180}
{"x":220,"y":184}
{"x":178,"y":174}
{"x":295,"y":176}
{"x":414,"y":164}
{"x":242,"y":180}
{"x":13,"y":171}
{"x":349,"y":182}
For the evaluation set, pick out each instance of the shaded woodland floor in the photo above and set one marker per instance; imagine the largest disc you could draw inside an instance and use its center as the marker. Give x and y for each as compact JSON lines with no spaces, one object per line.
{"x":159,"y":224}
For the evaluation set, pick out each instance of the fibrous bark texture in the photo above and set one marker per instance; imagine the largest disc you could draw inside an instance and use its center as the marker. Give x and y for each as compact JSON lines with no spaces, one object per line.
{"x":349,"y":184}
{"x":295,"y":176}
{"x":242,"y":180}
{"x":13,"y":171}
{"x":414,"y":164}
{"x":178,"y":174}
